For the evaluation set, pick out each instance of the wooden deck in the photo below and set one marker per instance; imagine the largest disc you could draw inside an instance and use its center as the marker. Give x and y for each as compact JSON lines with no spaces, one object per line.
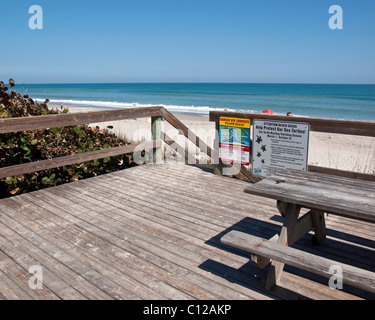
{"x":153,"y":232}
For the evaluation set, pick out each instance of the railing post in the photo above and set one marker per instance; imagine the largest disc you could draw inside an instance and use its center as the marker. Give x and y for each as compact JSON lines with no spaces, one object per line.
{"x":218,"y":164}
{"x":156,"y":135}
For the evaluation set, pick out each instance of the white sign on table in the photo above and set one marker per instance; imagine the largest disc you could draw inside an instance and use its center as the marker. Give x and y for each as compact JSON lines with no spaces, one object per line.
{"x":279,"y":145}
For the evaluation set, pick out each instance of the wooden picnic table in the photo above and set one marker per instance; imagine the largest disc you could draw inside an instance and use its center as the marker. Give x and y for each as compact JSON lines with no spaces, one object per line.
{"x":322,"y":194}
{"x":332,"y":194}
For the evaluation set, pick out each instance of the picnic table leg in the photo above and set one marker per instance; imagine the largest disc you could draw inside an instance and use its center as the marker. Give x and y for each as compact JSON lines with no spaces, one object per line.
{"x":318,"y":220}
{"x":262,"y":262}
{"x":276,"y":268}
{"x":281,"y":206}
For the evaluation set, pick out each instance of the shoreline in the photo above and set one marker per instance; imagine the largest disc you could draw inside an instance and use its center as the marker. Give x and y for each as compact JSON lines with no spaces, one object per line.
{"x":338,"y":151}
{"x":316,"y":100}
{"x":84,"y":109}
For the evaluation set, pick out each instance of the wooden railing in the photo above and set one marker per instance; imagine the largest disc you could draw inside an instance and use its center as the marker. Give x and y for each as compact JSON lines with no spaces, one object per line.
{"x":71,"y":119}
{"x":8,"y":125}
{"x":348,"y":127}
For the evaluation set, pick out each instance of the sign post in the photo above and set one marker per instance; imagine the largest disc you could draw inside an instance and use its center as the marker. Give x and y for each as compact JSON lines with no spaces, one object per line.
{"x":234,"y":140}
{"x":279,"y":145}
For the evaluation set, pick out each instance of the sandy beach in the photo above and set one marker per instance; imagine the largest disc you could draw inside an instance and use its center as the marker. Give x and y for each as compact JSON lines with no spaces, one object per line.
{"x":345,"y":152}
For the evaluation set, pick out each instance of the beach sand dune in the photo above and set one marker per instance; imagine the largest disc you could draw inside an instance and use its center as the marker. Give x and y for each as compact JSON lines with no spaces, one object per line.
{"x":344,"y":152}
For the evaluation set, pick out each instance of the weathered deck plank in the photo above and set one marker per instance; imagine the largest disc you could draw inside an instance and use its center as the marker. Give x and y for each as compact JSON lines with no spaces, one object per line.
{"x":153,"y":232}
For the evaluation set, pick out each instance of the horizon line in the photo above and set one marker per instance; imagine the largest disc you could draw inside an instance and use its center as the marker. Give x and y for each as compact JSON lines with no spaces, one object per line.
{"x":182,"y":82}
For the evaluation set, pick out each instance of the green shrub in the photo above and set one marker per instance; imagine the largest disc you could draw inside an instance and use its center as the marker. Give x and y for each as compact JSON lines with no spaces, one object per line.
{"x":29,"y":146}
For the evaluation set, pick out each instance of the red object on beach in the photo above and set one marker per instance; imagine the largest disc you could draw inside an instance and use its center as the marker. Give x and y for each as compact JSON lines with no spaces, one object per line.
{"x":268,"y":111}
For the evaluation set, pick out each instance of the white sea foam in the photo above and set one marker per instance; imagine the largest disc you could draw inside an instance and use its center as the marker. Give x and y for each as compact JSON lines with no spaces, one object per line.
{"x":201,"y":110}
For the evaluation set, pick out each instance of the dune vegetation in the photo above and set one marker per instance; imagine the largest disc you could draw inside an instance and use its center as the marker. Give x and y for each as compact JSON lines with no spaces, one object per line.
{"x":29,"y":146}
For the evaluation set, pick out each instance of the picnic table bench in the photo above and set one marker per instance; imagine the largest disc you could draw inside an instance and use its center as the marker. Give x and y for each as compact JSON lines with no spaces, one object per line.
{"x":322,"y":194}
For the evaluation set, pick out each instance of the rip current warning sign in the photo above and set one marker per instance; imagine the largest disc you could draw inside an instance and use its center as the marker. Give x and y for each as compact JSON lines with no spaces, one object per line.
{"x":279,"y":145}
{"x":234,"y":140}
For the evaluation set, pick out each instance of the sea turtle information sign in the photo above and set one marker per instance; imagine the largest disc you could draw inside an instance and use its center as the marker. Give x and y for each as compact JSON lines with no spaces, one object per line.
{"x":279,"y":145}
{"x":234,"y":140}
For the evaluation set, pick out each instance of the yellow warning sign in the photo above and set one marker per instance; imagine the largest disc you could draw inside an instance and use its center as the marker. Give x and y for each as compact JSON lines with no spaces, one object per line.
{"x":234,"y":122}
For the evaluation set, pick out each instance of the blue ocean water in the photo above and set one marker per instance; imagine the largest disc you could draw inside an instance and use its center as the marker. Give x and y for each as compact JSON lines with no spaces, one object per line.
{"x":355,"y":102}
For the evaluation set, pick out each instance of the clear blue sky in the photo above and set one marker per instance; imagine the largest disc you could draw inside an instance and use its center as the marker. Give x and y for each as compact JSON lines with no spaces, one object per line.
{"x":286,"y":41}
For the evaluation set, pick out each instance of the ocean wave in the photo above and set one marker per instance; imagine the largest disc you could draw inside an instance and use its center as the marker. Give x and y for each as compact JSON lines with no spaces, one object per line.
{"x":201,"y":110}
